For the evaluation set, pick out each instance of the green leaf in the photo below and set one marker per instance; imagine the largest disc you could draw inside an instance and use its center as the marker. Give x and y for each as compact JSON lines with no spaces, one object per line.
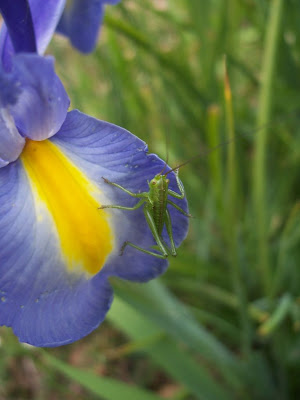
{"x":107,"y":388}
{"x":167,"y":353}
{"x":170,"y":315}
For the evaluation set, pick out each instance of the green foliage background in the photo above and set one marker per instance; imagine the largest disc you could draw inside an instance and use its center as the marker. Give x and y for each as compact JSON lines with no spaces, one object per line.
{"x":224,"y":320}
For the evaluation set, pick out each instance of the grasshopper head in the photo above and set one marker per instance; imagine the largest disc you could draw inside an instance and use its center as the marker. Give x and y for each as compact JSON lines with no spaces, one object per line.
{"x":159,"y":182}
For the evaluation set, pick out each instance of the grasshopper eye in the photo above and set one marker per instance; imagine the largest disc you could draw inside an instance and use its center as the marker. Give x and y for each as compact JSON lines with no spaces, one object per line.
{"x":153,"y":182}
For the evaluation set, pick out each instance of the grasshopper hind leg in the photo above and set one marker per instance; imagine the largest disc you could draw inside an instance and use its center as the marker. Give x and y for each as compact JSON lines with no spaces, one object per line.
{"x":161,"y":246}
{"x":170,"y":233}
{"x":163,"y":256}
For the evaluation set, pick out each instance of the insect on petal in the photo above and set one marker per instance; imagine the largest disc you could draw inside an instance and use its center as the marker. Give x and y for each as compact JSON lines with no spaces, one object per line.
{"x":57,"y":249}
{"x":101,"y":149}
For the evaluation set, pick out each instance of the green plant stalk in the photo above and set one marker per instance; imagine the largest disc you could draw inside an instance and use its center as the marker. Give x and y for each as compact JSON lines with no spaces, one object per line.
{"x":171,"y":65}
{"x":259,"y":162}
{"x":220,"y":296}
{"x":215,"y":159}
{"x":278,"y":316}
{"x":221,"y":327}
{"x":280,"y":269}
{"x":232,"y":215}
{"x":231,"y":173}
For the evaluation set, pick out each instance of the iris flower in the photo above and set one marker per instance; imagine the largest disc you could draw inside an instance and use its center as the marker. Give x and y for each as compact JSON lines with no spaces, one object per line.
{"x":57,"y":249}
{"x":35,"y":34}
{"x":81,"y":22}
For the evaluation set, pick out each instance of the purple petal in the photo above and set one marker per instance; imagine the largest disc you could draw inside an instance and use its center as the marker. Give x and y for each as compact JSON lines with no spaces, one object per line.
{"x":81,"y":22}
{"x":17,"y":17}
{"x":11,"y":142}
{"x":43,"y":103}
{"x":101,"y":149}
{"x":9,"y":89}
{"x":43,"y":303}
{"x":45,"y":16}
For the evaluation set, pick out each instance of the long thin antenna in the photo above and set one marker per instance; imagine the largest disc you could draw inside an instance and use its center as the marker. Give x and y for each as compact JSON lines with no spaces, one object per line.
{"x":167,"y":153}
{"x":225,"y":142}
{"x":165,"y":166}
{"x":200,"y":155}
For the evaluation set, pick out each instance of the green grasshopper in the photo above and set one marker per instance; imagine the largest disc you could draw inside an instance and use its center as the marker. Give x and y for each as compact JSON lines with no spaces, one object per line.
{"x":155,"y":203}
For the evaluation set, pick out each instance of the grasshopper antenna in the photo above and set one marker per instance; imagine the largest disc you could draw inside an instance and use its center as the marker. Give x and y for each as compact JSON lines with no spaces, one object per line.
{"x":200,"y":155}
{"x":266,"y":125}
{"x":167,"y":153}
{"x":165,"y":166}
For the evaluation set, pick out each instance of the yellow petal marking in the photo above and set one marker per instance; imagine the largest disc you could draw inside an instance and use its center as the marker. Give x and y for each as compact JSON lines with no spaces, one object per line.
{"x":85,"y":235}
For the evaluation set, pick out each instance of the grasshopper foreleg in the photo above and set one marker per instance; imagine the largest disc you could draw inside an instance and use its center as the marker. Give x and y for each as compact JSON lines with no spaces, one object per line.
{"x":180,"y":187}
{"x":143,"y":194}
{"x":141,"y":202}
{"x":179,"y":208}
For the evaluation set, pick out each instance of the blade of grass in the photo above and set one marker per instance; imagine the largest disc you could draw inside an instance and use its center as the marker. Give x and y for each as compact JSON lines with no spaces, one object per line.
{"x":170,"y":65}
{"x":215,"y":294}
{"x":166,"y":352}
{"x":218,"y":324}
{"x":231,"y":217}
{"x":286,"y":243}
{"x":215,"y":160}
{"x":155,"y":301}
{"x":264,"y":116}
{"x":280,"y":313}
{"x":105,"y":388}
